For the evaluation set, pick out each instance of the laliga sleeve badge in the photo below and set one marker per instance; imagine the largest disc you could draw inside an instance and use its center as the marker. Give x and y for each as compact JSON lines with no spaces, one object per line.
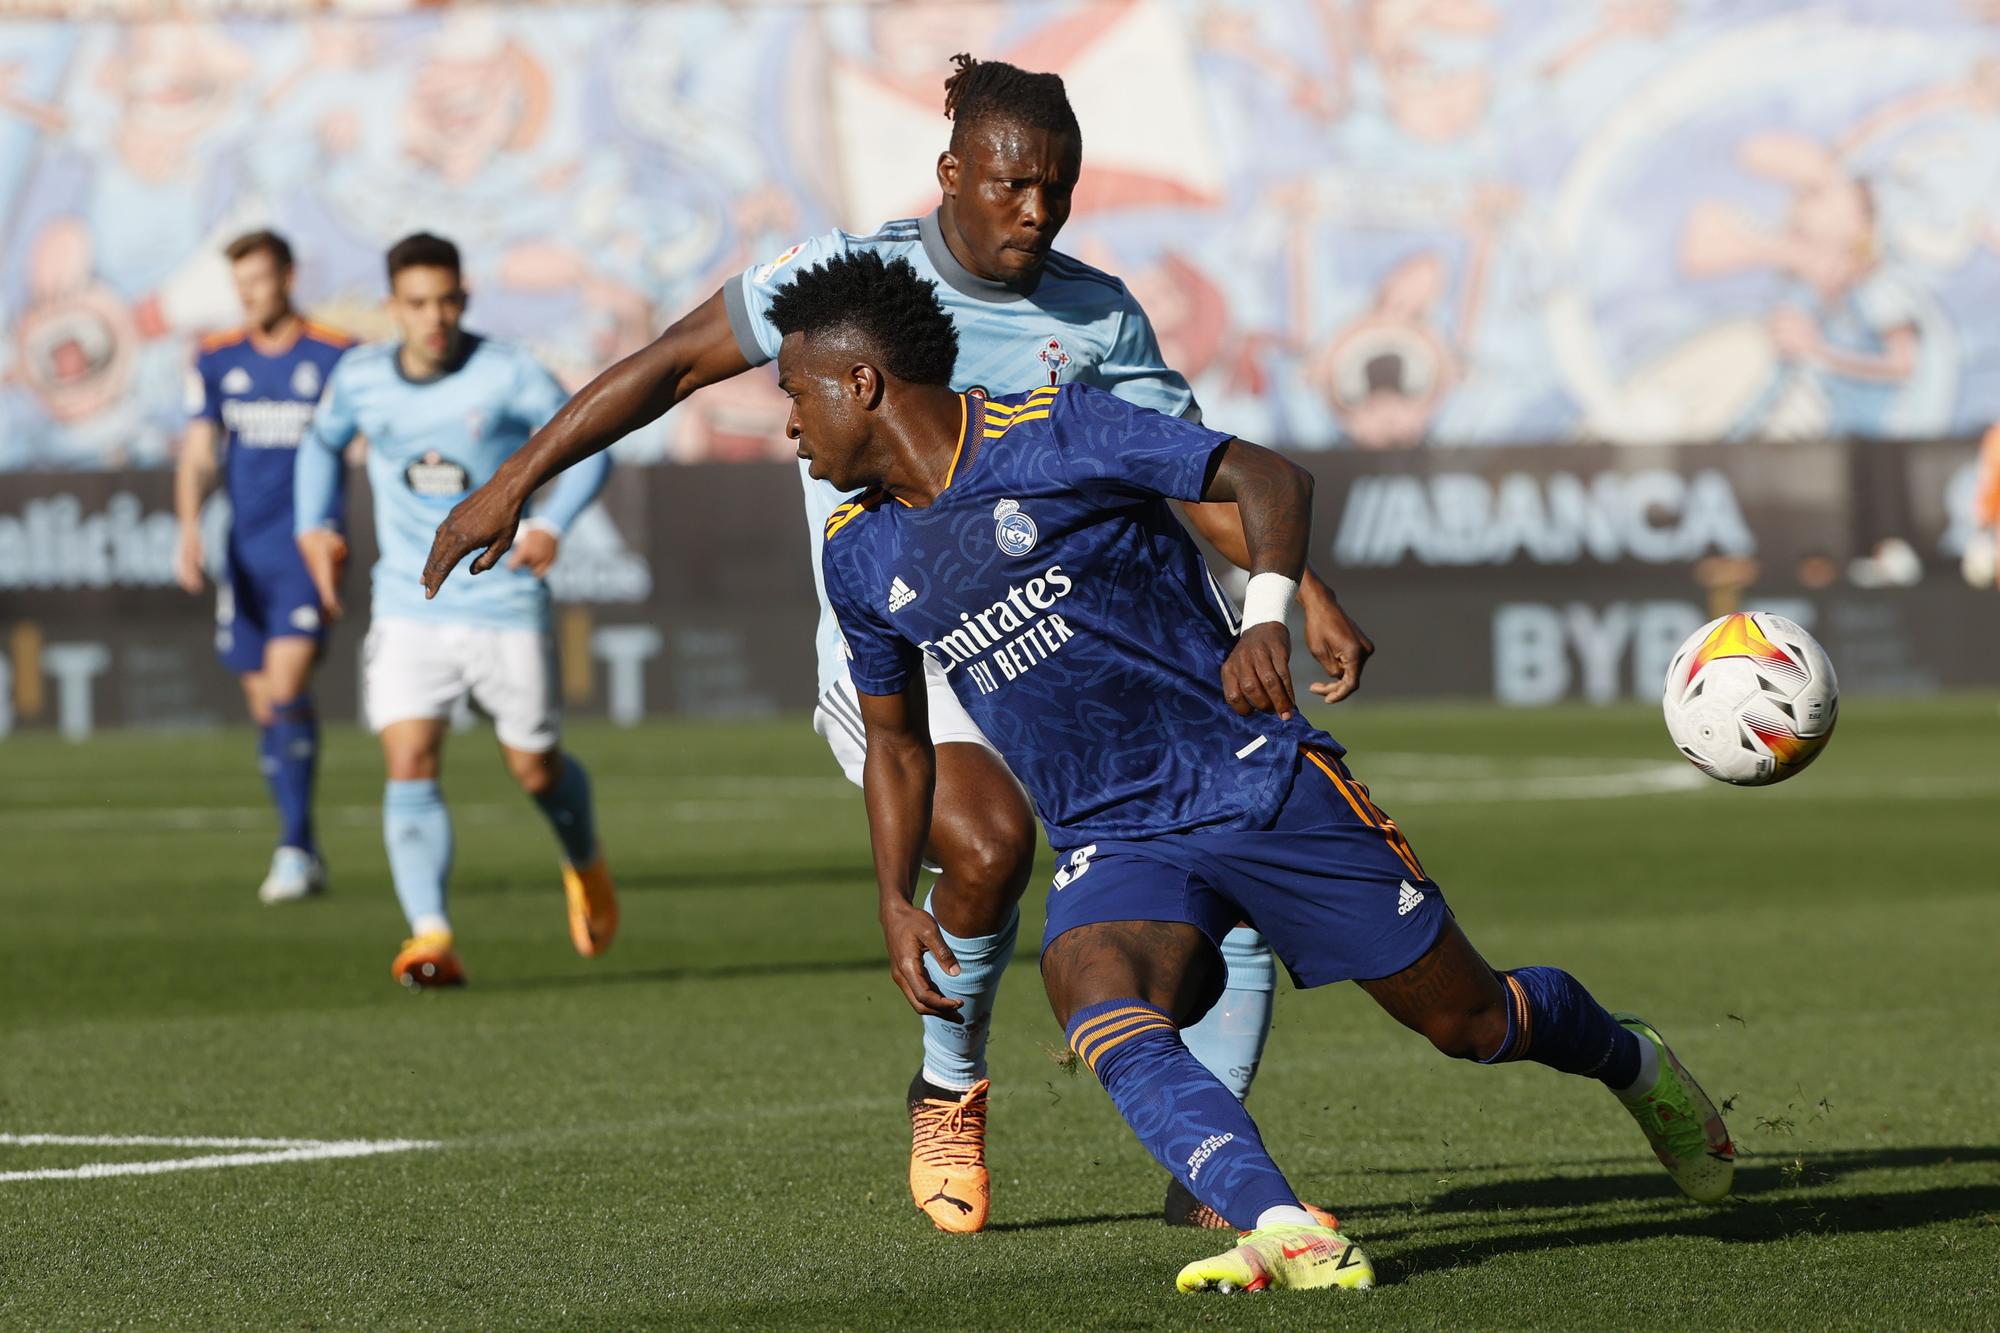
{"x":1014,"y":530}
{"x":764,"y":274}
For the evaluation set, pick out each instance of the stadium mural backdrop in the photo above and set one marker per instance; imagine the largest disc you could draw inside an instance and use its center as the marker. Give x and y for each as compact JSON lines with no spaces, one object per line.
{"x":1364,"y":222}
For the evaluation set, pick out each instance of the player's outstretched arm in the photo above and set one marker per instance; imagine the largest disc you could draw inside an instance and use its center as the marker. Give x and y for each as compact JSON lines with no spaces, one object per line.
{"x":898,"y":780}
{"x":698,"y":349}
{"x":1274,"y":497}
{"x":1332,"y":637}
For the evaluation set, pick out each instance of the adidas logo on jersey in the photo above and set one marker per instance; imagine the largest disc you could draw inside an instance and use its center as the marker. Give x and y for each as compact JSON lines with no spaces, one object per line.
{"x":901,"y":594}
{"x":1408,"y":899}
{"x":237,"y":380}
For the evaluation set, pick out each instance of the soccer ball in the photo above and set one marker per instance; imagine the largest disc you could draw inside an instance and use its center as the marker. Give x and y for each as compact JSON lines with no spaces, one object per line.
{"x":1751,"y":698}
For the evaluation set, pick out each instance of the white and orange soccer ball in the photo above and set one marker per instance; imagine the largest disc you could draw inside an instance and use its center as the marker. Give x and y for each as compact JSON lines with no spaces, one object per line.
{"x":1751,"y":698}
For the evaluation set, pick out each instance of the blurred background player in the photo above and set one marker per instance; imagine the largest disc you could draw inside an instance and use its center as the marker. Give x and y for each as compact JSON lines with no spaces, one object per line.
{"x":1027,"y":316}
{"x":442,"y":409}
{"x":252,"y":392}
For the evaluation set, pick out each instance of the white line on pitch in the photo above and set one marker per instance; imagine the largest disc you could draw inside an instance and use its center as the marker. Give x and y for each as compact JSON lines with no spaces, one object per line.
{"x":154,"y":1141}
{"x":311,"y":1151}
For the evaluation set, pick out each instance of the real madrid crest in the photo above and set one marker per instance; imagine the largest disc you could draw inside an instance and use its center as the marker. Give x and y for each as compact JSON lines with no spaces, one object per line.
{"x":1014,"y":530}
{"x":305,"y":380}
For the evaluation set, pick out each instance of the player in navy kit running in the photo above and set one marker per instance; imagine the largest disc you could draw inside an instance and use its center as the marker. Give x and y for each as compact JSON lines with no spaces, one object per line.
{"x":1024,"y":544}
{"x":251,"y":396}
{"x":1028,"y":315}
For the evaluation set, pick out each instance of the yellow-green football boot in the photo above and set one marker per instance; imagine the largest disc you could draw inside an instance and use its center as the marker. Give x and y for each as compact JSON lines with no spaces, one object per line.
{"x":1682,"y":1124}
{"x":1294,"y":1257}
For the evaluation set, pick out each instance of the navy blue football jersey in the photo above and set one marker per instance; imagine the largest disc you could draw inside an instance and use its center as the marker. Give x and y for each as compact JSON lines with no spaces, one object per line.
{"x":1072,"y":614}
{"x":262,"y":402}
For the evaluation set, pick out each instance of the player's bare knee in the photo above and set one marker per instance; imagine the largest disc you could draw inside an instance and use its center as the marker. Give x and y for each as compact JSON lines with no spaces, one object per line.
{"x":536,"y":773}
{"x":993,"y":862}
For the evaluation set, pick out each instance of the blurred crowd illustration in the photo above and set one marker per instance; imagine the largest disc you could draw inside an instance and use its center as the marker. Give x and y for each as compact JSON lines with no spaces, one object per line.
{"x":1357,"y":223}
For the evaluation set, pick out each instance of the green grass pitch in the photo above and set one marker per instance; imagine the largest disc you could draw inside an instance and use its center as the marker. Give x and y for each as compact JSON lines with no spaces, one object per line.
{"x":705,"y":1129}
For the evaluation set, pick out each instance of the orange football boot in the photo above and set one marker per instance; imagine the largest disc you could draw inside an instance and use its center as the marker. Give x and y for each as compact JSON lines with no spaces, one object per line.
{"x":593,"y":906}
{"x":948,"y":1157}
{"x":428,"y":961}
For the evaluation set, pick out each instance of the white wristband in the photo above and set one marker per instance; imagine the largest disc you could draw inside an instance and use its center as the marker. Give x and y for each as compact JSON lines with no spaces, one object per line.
{"x":536,"y":523}
{"x":1268,"y":599}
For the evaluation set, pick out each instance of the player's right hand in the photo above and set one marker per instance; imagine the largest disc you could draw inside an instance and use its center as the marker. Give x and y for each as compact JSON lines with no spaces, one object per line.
{"x":187,"y":562}
{"x":910,"y":933}
{"x":1257,"y":674}
{"x":325,"y":554}
{"x":488,"y":517}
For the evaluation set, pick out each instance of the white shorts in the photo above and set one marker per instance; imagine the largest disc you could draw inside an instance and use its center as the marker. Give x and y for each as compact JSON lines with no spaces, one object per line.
{"x":838,"y":718}
{"x":412,"y":670}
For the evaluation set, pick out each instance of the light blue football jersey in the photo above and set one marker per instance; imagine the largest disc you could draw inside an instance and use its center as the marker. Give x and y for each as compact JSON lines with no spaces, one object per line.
{"x":1078,"y":325}
{"x":429,"y":444}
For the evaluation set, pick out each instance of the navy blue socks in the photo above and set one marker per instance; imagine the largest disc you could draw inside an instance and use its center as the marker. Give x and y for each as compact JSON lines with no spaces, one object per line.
{"x":1191,"y":1123}
{"x":289,"y":753}
{"x":1552,"y":1020}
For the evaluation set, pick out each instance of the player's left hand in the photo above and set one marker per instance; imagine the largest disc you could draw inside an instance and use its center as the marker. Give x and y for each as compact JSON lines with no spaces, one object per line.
{"x":534,"y":550}
{"x":1257,"y":674}
{"x":1335,"y":642}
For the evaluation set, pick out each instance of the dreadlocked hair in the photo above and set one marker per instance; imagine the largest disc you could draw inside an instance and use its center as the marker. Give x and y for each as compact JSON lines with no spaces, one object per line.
{"x":980,"y":90}
{"x":893,"y":309}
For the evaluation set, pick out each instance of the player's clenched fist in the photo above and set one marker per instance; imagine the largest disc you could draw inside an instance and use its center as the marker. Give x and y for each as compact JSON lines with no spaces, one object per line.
{"x":1257,"y":674}
{"x":325,"y":554}
{"x":486,"y":518}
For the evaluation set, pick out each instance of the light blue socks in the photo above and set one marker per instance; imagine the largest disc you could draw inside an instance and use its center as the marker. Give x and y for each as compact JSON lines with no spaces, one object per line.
{"x":1229,"y":1039}
{"x":955,"y":1053}
{"x":416,"y":828}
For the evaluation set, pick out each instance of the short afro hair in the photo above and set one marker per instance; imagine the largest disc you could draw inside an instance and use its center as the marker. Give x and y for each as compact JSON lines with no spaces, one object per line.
{"x":893,"y":309}
{"x":983,"y":90}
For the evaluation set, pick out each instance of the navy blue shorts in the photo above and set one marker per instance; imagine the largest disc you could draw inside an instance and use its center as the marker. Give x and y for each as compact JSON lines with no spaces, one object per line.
{"x":271,"y":598}
{"x":1332,"y":883}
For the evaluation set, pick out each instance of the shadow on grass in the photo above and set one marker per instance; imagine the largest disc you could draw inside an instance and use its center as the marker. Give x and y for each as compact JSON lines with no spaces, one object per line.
{"x":1776,"y":1199}
{"x":729,"y":972}
{"x":1092,"y":1220}
{"x":1757,"y":1175}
